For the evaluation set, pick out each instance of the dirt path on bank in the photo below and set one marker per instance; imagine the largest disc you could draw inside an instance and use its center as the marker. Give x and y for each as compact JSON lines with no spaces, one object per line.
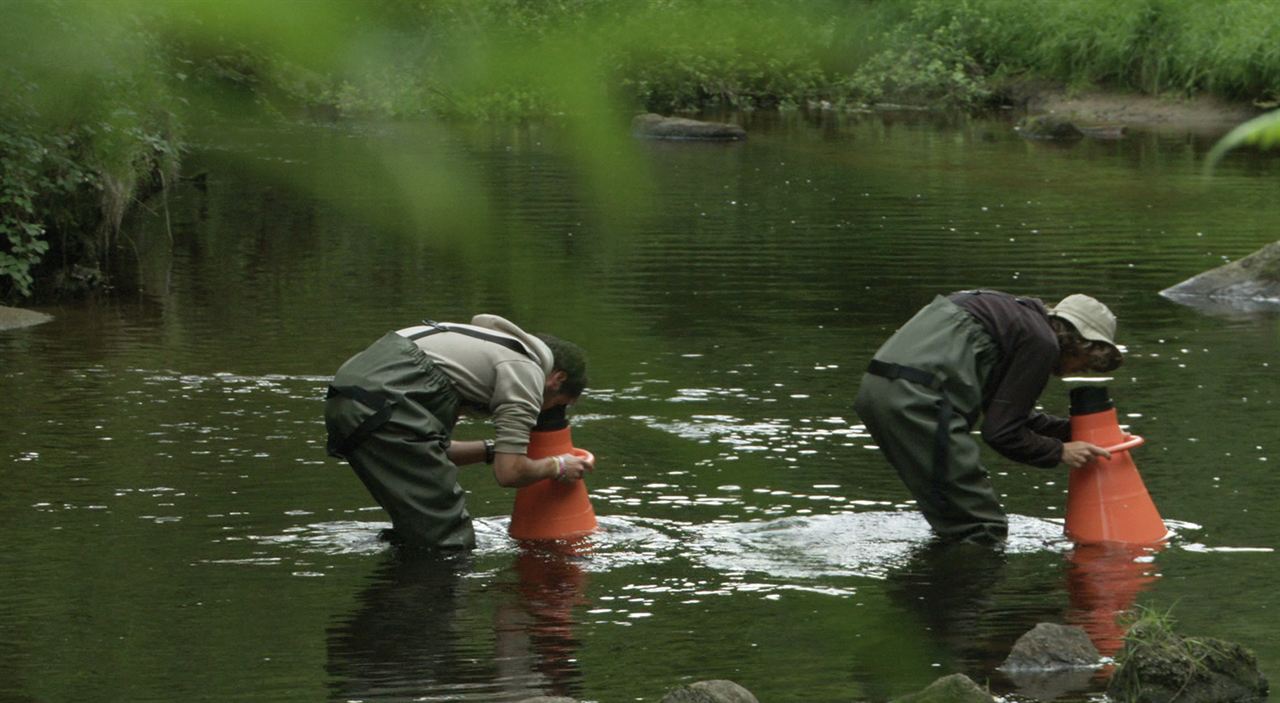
{"x":1200,"y":114}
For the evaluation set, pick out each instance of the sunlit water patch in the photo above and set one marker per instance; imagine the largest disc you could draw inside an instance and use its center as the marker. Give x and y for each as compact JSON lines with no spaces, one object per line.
{"x":865,"y":544}
{"x":619,"y":541}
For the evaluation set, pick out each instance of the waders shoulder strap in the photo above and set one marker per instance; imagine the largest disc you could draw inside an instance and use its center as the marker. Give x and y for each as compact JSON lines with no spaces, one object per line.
{"x":382,"y":408}
{"x":438,"y":327}
{"x":891,"y":371}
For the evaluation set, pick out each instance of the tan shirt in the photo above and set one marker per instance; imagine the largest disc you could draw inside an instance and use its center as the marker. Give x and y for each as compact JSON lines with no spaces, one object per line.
{"x":490,"y":376}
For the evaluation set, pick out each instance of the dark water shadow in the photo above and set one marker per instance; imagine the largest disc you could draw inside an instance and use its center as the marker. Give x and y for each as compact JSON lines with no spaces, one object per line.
{"x":424,"y":626}
{"x":960,"y":592}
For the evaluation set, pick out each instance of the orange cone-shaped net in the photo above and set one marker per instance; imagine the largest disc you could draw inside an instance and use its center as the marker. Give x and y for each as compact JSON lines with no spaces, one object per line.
{"x":551,"y":509}
{"x":1106,"y":499}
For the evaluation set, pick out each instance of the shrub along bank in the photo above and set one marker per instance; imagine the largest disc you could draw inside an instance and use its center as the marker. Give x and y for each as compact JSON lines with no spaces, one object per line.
{"x":100,"y":90}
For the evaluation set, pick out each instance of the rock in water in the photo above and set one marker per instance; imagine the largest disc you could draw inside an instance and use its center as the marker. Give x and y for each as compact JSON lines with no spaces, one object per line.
{"x":1051,"y":661}
{"x":1048,"y":127}
{"x":655,"y":126}
{"x":717,"y":691}
{"x":1255,"y":278}
{"x":1052,"y":646}
{"x":956,"y":688}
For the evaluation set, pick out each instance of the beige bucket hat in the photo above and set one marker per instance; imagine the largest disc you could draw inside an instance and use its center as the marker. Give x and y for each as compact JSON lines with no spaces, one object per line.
{"x":1091,"y":318}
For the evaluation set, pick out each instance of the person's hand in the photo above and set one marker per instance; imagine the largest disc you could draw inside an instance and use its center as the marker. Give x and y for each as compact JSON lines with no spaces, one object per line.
{"x":571,"y":467}
{"x":1077,"y":454}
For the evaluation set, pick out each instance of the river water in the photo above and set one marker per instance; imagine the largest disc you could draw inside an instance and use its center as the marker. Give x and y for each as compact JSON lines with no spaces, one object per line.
{"x":172,"y":529}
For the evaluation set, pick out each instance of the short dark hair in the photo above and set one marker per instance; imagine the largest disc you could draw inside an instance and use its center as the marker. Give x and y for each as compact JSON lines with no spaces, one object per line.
{"x":1102,"y":356}
{"x":569,"y":358}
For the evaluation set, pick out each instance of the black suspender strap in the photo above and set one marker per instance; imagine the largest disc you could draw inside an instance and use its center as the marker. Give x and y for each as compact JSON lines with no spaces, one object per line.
{"x":382,"y":412}
{"x":893,"y":371}
{"x":438,"y":327}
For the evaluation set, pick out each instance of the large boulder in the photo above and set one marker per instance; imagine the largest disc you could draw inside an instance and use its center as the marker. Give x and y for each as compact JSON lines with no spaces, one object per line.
{"x":956,"y":688}
{"x":716,"y":691}
{"x":1159,"y":666}
{"x":654,"y":126}
{"x":1248,"y":282}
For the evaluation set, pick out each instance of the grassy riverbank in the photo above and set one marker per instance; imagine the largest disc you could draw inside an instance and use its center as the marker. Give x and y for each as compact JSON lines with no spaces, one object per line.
{"x":96,"y":117}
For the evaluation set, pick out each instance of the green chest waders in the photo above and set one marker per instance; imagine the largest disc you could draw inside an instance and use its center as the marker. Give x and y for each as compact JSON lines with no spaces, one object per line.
{"x":390,"y":412}
{"x":919,"y":399}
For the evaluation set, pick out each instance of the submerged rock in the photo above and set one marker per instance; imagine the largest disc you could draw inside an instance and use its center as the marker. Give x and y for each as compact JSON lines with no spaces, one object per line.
{"x":655,"y":126}
{"x":956,"y":688}
{"x":13,"y":318}
{"x":1051,"y":646}
{"x":1159,"y":666}
{"x":1048,"y":127}
{"x":716,"y":691}
{"x":1253,"y":279}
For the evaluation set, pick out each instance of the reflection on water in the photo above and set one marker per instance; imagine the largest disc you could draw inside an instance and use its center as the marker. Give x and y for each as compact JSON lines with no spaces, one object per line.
{"x":1103,"y":583}
{"x":410,"y":634}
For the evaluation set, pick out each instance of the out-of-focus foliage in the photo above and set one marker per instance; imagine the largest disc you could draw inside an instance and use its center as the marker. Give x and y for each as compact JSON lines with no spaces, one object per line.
{"x":86,"y":126}
{"x":1262,"y":131}
{"x":98,"y":91}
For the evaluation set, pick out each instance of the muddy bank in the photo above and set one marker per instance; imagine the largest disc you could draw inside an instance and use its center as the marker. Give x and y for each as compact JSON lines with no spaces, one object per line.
{"x":1203,"y":114}
{"x":13,"y":318}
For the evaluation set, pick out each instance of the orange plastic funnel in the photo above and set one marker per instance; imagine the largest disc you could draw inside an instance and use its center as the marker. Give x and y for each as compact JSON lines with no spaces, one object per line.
{"x":1106,"y":499}
{"x":551,"y":509}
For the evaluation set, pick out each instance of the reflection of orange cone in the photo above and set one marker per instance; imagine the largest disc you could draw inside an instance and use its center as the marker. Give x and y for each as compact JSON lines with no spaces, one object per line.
{"x":1103,"y":583}
{"x":550,"y":509}
{"x":1106,"y":499}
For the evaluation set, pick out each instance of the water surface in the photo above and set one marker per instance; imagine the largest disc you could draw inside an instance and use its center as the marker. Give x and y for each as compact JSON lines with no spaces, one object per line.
{"x":172,"y":529}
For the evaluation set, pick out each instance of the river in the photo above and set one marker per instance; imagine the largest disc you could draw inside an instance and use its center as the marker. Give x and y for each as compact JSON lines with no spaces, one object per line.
{"x":172,"y":528}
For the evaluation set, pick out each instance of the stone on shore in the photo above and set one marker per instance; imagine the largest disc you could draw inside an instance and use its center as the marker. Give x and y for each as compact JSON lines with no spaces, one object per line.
{"x":14,"y":318}
{"x":716,"y":691}
{"x":653,"y":126}
{"x":1251,"y":280}
{"x":956,"y":688}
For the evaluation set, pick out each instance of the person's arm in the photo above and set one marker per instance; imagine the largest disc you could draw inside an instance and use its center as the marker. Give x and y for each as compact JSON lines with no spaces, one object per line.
{"x":516,"y":470}
{"x":1006,"y":426}
{"x":463,"y":453}
{"x":1049,"y":425}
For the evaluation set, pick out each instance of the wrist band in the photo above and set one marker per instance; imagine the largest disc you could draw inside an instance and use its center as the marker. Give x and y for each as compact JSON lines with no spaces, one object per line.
{"x":488,"y":451}
{"x":559,"y":467}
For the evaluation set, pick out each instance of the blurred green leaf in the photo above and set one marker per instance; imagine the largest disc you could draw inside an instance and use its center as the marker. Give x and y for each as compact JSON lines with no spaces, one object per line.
{"x":1262,"y":131}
